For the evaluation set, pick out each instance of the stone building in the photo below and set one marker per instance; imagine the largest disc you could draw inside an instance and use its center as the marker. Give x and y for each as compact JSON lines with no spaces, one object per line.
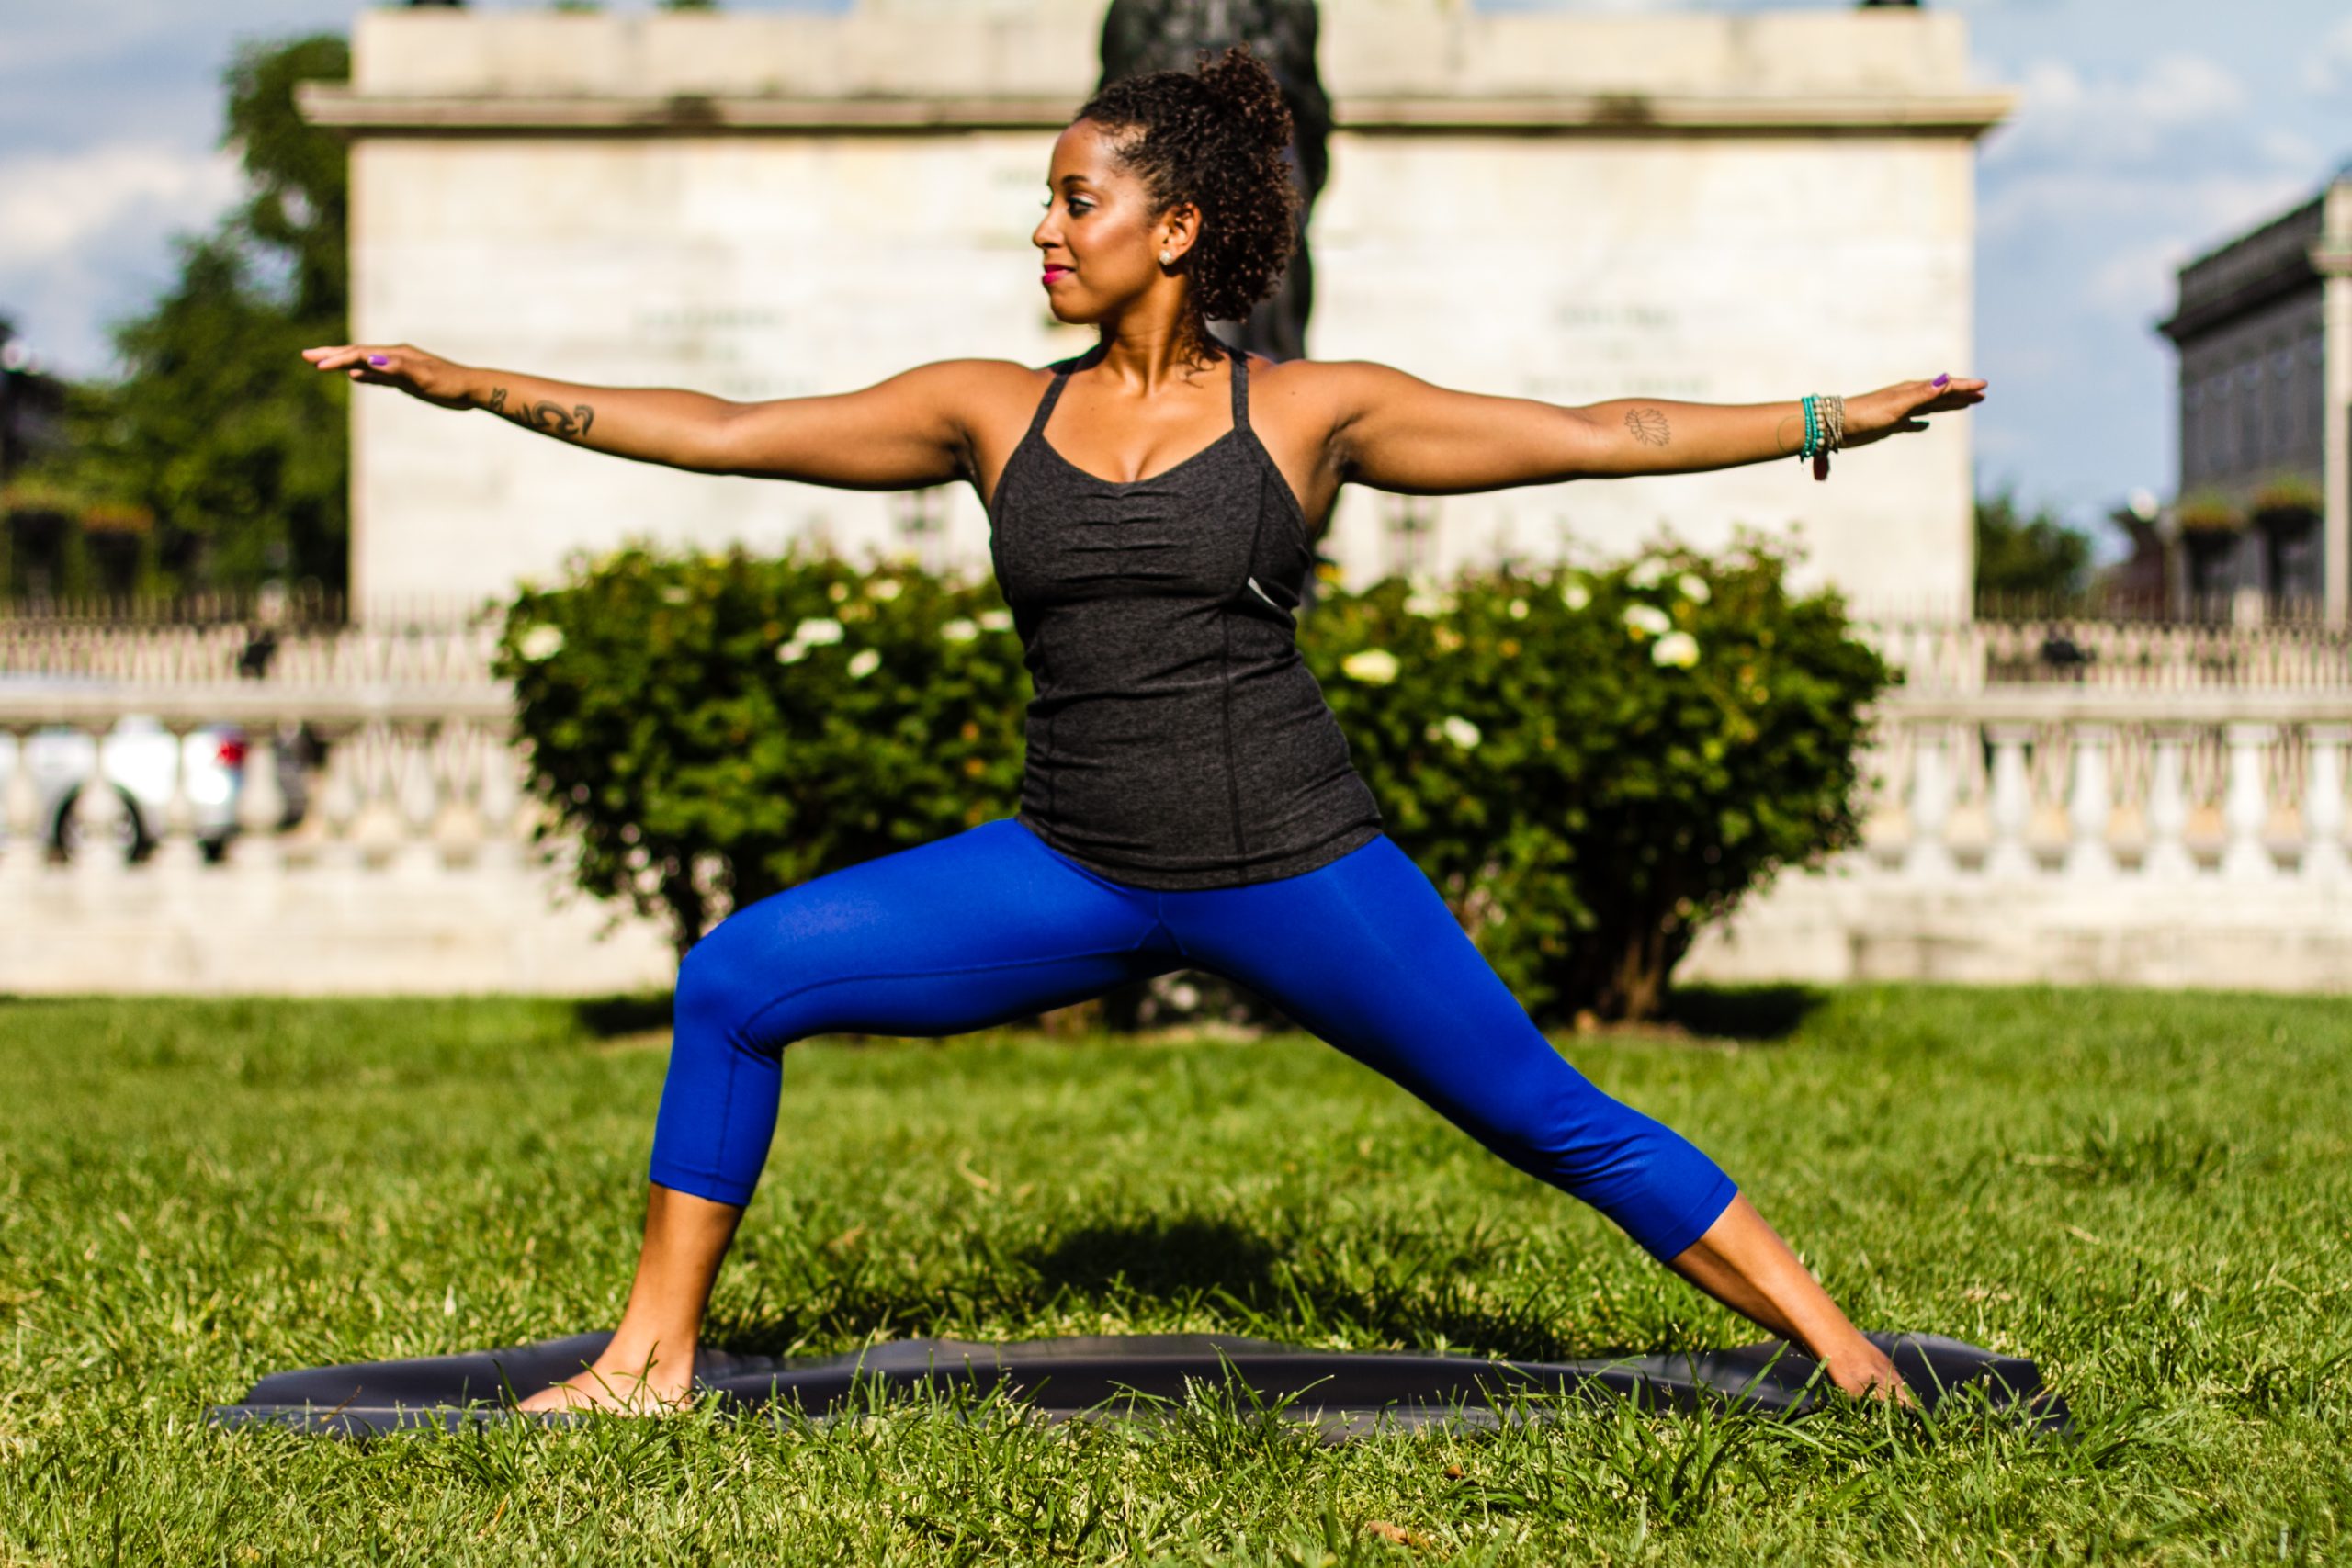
{"x":1570,"y":206}
{"x":2263,"y":329}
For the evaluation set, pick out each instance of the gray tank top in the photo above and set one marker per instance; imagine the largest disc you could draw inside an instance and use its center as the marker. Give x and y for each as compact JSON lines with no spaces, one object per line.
{"x":1176,"y":739}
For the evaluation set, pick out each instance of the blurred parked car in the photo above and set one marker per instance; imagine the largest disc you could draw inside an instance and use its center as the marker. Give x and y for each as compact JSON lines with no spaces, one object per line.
{"x":138,"y":765}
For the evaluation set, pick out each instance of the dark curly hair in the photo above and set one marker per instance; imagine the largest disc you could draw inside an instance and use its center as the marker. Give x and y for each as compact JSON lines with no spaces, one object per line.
{"x":1214,"y":136}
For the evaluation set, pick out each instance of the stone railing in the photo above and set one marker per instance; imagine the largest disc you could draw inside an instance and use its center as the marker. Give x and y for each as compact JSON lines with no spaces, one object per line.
{"x":2116,"y":656}
{"x":2032,"y":813}
{"x":2090,"y":784}
{"x":413,"y":727}
{"x":402,"y":862}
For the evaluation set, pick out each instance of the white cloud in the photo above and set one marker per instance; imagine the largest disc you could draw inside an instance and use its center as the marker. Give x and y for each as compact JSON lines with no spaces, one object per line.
{"x":2064,"y":116}
{"x":51,"y":206}
{"x":83,"y":237}
{"x":2330,"y":69}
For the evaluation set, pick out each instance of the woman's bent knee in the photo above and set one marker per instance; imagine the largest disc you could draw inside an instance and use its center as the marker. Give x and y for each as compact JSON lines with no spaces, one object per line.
{"x":724,"y":994}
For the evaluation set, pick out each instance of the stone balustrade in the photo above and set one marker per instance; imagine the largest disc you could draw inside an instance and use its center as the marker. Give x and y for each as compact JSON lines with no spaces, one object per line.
{"x":2087,"y":784}
{"x":2176,"y":833}
{"x":2163,"y":804}
{"x":405,"y":859}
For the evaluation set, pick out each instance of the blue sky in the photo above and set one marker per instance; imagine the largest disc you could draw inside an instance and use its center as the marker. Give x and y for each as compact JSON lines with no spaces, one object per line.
{"x":2148,"y":129}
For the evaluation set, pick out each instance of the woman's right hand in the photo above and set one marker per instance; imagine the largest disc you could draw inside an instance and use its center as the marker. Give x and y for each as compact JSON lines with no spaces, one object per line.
{"x":441,"y":382}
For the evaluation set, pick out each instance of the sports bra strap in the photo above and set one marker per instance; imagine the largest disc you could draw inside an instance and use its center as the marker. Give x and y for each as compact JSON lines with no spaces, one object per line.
{"x":1240,"y":387}
{"x":1053,"y":395}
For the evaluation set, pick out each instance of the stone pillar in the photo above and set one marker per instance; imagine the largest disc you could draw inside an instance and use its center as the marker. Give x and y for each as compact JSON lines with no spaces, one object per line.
{"x":2010,"y":805}
{"x":2324,"y":855}
{"x":2168,"y":856}
{"x":2090,"y":804}
{"x":98,"y":815}
{"x":261,"y":805}
{"x":175,"y":846}
{"x":28,"y":844}
{"x":416,"y":797}
{"x":2333,"y":259}
{"x":1928,"y":856}
{"x":2246,"y":809}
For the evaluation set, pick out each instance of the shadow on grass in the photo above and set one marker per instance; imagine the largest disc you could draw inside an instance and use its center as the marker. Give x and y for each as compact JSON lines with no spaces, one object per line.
{"x":1165,"y":1271}
{"x":605,"y":1018}
{"x":1744,"y":1012}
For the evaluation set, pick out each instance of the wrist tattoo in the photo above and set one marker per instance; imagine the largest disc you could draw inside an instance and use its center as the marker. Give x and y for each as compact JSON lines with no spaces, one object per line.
{"x":547,"y":418}
{"x":1649,"y":427}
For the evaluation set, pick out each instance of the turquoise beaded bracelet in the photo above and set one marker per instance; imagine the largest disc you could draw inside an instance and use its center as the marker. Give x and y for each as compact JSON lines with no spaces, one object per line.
{"x":1811,"y":430}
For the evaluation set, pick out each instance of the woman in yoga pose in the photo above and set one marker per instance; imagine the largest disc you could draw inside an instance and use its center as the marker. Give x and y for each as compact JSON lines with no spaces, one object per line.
{"x":1189,"y":801}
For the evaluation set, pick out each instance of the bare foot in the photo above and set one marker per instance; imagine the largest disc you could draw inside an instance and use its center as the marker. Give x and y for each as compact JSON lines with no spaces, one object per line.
{"x":621,"y":1385}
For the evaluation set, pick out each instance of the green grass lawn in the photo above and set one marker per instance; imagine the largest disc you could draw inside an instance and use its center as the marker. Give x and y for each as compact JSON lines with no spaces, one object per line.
{"x":2151,"y":1195}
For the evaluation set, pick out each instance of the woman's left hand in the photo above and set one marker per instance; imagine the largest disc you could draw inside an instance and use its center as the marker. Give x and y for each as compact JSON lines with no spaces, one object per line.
{"x":1901,"y":410}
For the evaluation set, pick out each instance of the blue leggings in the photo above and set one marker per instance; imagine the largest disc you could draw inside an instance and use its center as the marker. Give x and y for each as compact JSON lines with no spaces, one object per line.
{"x":990,"y":924}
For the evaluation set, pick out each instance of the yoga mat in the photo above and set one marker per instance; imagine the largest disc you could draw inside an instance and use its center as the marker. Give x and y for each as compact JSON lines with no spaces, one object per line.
{"x":1345,"y":1393}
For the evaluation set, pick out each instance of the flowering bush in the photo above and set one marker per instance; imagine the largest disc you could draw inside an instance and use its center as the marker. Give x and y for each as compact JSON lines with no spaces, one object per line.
{"x":1592,"y":764}
{"x":713,"y":728}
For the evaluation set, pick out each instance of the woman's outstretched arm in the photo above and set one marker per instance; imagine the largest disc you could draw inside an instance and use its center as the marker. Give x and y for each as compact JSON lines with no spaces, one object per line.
{"x":1393,"y":430}
{"x":909,"y":431}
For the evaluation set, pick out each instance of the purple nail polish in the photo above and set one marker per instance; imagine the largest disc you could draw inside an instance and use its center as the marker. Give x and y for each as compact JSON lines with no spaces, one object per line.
{"x":386,"y":359}
{"x":1940,"y":383}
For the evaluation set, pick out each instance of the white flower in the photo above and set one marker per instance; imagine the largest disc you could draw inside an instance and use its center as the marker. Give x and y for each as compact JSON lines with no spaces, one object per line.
{"x":542,"y":641}
{"x":1646,"y":620}
{"x":1460,"y":730}
{"x":885,"y":589}
{"x":675,"y":593}
{"x":996,"y":621}
{"x":1373,"y":666}
{"x":959,"y":630}
{"x":790,"y":653}
{"x":1517,"y":609}
{"x":1677,"y":648}
{"x":1694,"y":587}
{"x":1648,"y":572}
{"x":817,"y":631}
{"x":1575,"y":594}
{"x":1425,"y":604}
{"x":863,"y":662}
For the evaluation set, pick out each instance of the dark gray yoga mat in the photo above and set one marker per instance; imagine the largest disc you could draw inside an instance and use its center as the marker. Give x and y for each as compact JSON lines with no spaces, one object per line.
{"x":1345,"y":1393}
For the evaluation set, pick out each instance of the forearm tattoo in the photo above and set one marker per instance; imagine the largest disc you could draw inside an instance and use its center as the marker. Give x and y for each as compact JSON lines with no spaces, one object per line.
{"x":1649,"y":427}
{"x":548,"y":419}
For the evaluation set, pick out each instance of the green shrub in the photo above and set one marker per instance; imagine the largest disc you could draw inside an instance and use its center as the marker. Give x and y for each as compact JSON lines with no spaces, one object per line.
{"x":1592,"y":764}
{"x":720,"y":727}
{"x":1589,"y":765}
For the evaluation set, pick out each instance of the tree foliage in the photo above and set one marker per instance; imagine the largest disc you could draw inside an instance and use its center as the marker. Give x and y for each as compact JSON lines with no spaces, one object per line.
{"x":1594,"y":765}
{"x":2026,"y":560}
{"x":216,"y":424}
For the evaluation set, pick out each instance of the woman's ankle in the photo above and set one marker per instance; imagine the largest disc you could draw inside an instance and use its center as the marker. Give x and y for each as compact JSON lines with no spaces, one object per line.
{"x":657,"y":1358}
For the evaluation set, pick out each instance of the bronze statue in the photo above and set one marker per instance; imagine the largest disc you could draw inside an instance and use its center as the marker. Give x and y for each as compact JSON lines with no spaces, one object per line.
{"x":1168,"y":35}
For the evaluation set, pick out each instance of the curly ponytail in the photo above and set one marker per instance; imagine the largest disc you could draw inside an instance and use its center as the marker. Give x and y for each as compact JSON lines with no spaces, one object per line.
{"x":1215,"y":136}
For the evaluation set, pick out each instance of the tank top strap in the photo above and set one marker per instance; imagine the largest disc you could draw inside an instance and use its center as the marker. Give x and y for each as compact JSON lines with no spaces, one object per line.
{"x":1240,"y":380}
{"x":1053,"y":395}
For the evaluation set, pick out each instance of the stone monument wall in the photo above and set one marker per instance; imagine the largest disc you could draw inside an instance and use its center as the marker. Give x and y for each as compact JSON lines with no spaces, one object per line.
{"x":1557,"y":205}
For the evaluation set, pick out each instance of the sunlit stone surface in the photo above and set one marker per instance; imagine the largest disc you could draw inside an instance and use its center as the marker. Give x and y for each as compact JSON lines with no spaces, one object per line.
{"x":1559,"y":205}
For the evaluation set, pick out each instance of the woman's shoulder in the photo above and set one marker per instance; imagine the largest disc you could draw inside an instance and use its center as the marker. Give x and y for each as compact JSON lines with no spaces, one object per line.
{"x":974,"y":390}
{"x":1328,"y":384}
